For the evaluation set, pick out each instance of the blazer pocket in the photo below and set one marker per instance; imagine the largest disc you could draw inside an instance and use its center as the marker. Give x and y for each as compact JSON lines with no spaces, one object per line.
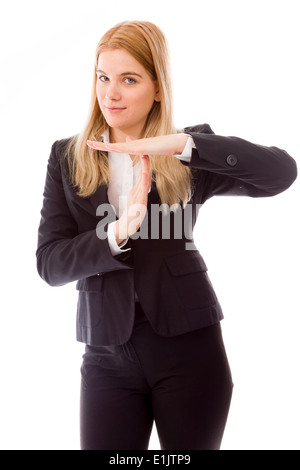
{"x":190,"y":280}
{"x":90,"y":298}
{"x":185,"y":262}
{"x":90,"y":284}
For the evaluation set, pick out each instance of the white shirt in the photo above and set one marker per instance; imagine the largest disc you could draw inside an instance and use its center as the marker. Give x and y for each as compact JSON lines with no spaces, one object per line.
{"x":123,"y":176}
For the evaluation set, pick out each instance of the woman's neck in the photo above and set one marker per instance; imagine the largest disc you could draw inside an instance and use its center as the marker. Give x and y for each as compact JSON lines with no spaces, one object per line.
{"x":116,"y":135}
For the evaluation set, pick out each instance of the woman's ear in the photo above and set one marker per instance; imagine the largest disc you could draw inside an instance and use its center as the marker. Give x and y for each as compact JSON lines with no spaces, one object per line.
{"x":157,"y":97}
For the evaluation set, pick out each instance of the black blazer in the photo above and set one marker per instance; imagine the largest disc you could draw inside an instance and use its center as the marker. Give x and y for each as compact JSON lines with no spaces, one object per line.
{"x":166,"y":270}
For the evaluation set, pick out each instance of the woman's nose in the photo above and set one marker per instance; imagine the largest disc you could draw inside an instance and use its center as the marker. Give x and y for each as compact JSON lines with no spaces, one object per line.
{"x":112,"y":92}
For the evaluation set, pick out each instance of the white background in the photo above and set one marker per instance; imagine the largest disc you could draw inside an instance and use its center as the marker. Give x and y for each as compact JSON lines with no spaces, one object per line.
{"x":235,"y":65}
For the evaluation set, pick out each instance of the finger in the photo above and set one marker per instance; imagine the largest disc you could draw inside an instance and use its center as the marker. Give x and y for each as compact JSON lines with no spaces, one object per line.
{"x":133,"y":147}
{"x":108,"y":147}
{"x":145,"y":183}
{"x":129,"y":147}
{"x":145,"y":160}
{"x":144,"y":177}
{"x":146,"y":173}
{"x":101,"y":146}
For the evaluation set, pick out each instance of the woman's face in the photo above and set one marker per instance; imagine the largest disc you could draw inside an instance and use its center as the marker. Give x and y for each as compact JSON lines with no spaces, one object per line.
{"x":125,"y":93}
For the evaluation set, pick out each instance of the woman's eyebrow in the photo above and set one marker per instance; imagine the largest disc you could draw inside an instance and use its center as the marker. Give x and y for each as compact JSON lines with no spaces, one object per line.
{"x":122,"y":74}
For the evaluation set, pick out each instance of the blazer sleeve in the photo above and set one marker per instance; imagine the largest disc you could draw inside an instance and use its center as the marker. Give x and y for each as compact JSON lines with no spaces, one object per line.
{"x":63,"y":254}
{"x":234,"y":166}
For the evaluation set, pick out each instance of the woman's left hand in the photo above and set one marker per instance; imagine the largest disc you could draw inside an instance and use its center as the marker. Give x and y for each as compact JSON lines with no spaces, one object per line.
{"x":161,"y":145}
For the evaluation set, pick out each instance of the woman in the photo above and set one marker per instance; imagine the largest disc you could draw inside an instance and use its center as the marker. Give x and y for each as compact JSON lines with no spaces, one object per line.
{"x":120,"y":203}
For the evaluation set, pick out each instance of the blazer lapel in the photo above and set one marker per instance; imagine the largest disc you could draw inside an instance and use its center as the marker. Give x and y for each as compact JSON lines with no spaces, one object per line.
{"x":99,"y":197}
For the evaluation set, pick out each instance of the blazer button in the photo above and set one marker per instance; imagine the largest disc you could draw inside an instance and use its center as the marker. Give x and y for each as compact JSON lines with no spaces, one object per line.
{"x":231,"y":160}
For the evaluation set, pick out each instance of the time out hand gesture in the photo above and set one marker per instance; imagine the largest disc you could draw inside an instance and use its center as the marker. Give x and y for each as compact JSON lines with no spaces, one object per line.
{"x":161,"y":145}
{"x":136,"y":209}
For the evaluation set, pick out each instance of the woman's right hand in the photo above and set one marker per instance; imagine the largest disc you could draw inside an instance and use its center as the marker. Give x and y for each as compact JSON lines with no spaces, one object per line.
{"x":134,"y":214}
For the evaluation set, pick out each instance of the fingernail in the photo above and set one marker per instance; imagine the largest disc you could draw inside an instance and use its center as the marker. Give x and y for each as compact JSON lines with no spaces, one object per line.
{"x":91,"y":144}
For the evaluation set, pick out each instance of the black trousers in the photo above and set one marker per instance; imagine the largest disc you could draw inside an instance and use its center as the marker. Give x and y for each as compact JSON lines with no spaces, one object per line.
{"x":182,"y":382}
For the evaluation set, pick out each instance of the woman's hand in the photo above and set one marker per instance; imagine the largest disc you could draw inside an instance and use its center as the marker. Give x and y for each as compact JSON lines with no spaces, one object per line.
{"x":161,"y":145}
{"x":134,"y":214}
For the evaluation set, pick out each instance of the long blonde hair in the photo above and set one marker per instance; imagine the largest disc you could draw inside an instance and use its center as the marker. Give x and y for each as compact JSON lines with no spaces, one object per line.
{"x":90,"y":168}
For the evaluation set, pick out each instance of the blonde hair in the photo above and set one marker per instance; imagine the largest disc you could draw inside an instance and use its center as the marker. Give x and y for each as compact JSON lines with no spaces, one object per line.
{"x":90,"y":168}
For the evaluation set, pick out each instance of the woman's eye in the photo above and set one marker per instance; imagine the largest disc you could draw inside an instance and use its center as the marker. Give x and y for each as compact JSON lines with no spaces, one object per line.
{"x":131,"y":80}
{"x":102,"y":78}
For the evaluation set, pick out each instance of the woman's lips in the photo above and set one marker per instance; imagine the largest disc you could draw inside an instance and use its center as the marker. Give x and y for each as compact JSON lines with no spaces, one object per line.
{"x":114,"y":110}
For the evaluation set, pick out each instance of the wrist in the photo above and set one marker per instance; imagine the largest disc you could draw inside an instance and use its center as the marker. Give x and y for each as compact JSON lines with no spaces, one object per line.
{"x":120,"y":232}
{"x":182,"y":141}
